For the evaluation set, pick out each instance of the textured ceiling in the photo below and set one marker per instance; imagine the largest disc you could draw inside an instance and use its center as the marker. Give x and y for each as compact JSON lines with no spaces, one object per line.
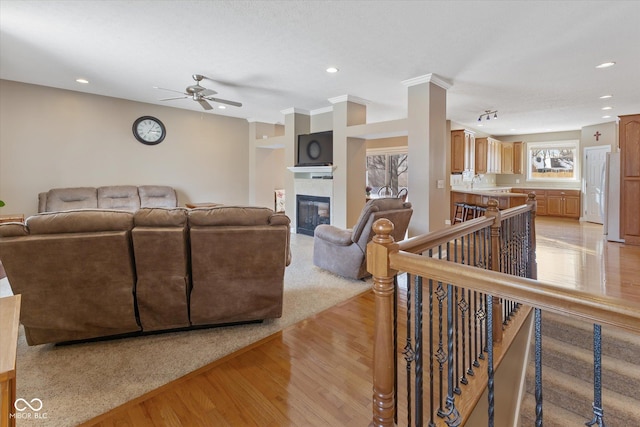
{"x":532,"y":61}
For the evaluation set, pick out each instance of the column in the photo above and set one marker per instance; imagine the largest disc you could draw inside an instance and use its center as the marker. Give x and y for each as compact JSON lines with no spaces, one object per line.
{"x":427,"y":141}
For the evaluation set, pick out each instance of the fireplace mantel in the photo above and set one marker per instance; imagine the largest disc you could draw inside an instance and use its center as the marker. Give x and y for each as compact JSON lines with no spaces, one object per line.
{"x":311,"y":169}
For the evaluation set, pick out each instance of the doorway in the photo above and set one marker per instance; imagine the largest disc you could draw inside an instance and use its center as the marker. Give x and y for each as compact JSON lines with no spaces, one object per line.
{"x":595,"y":159}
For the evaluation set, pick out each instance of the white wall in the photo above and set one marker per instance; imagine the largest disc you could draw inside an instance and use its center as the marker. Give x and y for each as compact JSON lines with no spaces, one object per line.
{"x":58,"y":138}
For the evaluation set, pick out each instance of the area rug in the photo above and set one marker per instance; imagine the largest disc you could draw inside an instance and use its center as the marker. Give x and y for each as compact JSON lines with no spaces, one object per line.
{"x":78,"y":382}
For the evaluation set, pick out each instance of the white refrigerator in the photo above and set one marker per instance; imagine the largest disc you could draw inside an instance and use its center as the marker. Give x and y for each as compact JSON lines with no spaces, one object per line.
{"x":612,"y":204}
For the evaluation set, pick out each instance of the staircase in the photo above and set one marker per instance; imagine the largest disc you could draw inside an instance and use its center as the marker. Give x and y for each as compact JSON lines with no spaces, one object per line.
{"x":567,"y":375}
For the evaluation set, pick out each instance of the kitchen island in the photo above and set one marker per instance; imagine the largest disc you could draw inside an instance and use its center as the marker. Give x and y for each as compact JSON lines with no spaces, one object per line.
{"x":480,"y":197}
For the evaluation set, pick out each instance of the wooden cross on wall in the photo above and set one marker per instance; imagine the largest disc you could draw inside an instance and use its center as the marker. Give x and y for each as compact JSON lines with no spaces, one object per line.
{"x":597,"y":135}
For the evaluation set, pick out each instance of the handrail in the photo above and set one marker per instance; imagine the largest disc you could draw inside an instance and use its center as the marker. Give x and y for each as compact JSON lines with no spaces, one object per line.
{"x":424,"y":242}
{"x":600,"y":309}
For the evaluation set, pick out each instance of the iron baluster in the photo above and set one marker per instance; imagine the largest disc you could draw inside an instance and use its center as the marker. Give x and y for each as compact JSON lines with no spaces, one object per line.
{"x":451,"y":416}
{"x":441,"y":356}
{"x":431,"y":399}
{"x":409,"y":353}
{"x":490,"y":379}
{"x":418,"y":355}
{"x":598,"y":413}
{"x":538,"y":362}
{"x":463,"y":306}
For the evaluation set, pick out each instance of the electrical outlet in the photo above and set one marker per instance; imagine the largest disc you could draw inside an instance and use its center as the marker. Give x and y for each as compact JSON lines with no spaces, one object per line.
{"x":517,"y":181}
{"x":440,"y":183}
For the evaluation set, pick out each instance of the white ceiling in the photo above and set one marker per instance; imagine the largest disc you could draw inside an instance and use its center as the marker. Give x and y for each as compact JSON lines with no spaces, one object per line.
{"x":532,"y":61}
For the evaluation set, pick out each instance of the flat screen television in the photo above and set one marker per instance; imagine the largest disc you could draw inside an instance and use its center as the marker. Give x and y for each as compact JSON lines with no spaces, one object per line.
{"x":315,"y":149}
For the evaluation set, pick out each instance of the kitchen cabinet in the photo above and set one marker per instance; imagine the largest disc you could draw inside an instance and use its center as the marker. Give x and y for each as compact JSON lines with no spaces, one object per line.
{"x":462,"y":151}
{"x":518,"y":151}
{"x":488,"y":155}
{"x":507,"y":157}
{"x":629,"y":138}
{"x":563,"y":203}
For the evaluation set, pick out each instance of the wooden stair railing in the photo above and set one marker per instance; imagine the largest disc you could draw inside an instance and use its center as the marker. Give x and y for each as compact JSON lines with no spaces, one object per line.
{"x":385,"y":258}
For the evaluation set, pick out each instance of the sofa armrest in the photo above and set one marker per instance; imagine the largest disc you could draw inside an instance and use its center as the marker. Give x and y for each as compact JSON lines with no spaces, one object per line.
{"x":334,"y":235}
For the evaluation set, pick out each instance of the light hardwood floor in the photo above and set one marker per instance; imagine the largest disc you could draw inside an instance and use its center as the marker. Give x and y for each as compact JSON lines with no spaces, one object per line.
{"x":318,"y":372}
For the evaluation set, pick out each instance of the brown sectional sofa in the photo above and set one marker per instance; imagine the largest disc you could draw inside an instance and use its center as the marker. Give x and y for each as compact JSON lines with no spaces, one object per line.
{"x":95,"y":273}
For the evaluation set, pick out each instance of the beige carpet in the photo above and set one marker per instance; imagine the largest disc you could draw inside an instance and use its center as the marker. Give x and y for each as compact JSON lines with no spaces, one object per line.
{"x":78,"y":382}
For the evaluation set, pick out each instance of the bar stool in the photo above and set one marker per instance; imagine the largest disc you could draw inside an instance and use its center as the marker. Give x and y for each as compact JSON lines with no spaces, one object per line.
{"x":460,"y":213}
{"x":480,"y":211}
{"x":470,"y":212}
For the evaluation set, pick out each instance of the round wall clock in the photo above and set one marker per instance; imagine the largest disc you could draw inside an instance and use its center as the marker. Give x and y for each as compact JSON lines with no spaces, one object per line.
{"x":314,"y":150}
{"x":149,"y":130}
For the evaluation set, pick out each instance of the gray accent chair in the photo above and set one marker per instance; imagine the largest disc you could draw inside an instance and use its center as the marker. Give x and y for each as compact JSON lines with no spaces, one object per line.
{"x":343,"y":252}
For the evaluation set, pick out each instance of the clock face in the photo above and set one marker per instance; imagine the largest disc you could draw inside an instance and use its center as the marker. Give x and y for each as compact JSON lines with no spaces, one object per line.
{"x":149,"y":130}
{"x":313,"y":150}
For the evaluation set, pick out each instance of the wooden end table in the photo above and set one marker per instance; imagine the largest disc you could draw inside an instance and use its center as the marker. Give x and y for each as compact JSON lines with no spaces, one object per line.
{"x":12,"y":218}
{"x":9,"y":322}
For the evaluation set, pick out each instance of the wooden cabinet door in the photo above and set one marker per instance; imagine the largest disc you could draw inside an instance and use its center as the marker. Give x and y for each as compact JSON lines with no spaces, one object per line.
{"x":518,"y":148}
{"x":572,"y":206}
{"x":629,"y":134}
{"x":507,"y":157}
{"x":554,"y":205}
{"x":457,"y":151}
{"x":481,"y":155}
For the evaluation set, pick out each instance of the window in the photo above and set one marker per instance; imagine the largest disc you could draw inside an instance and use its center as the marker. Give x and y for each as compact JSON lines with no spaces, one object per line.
{"x":387,"y":169}
{"x":552,"y":161}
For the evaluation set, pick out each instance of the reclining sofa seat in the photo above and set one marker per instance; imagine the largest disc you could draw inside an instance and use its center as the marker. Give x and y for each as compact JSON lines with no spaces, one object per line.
{"x":237,"y":265}
{"x":75,"y":272}
{"x":161,"y":255}
{"x":343,"y":252}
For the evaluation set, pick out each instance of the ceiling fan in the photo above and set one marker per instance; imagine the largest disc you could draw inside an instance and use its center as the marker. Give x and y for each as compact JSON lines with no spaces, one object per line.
{"x":200,"y":94}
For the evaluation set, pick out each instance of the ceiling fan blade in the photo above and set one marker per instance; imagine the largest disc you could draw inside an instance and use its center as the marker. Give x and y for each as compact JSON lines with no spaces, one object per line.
{"x":171,"y":99}
{"x":207,"y":92}
{"x":205,"y":104}
{"x":224,"y":101}
{"x":170,"y":90}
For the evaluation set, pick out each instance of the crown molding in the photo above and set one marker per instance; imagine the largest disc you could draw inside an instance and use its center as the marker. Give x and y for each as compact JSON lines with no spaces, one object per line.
{"x":322,"y":110}
{"x":428,"y":78}
{"x":294,"y":110}
{"x":349,"y":98}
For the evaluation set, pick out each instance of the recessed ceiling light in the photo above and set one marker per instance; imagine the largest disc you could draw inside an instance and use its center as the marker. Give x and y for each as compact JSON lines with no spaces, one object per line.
{"x":480,"y":125}
{"x":222,"y":107}
{"x":606,"y":96}
{"x":606,"y":65}
{"x":83,"y":81}
{"x":607,"y":108}
{"x":606,"y":117}
{"x":332,"y":70}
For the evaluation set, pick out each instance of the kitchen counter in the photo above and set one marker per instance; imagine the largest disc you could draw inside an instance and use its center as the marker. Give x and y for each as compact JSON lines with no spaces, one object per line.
{"x":490,"y":192}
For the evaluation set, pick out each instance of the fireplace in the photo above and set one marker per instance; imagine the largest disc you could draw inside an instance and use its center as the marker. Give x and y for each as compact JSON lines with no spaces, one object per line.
{"x":311,"y":212}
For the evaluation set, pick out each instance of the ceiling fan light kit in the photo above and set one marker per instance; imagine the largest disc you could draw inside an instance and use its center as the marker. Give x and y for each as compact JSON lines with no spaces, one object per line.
{"x":200,"y":94}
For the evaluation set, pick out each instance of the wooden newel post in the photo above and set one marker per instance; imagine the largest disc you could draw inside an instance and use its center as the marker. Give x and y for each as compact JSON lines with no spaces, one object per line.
{"x":378,"y":251}
{"x":533,"y":263}
{"x":492,"y":211}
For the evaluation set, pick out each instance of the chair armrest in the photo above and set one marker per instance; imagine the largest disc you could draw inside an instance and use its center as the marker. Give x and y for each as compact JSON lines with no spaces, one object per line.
{"x":334,"y":235}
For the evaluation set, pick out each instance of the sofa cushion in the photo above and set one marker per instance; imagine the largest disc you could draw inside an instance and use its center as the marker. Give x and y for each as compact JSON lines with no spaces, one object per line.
{"x":80,"y":221}
{"x":119,"y":197}
{"x":62,"y":199}
{"x":157,"y":196}
{"x":230,"y":215}
{"x":160,"y":217}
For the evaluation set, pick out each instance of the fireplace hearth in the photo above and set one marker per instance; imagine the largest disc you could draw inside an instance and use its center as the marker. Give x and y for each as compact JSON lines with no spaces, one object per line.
{"x":311,"y":212}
